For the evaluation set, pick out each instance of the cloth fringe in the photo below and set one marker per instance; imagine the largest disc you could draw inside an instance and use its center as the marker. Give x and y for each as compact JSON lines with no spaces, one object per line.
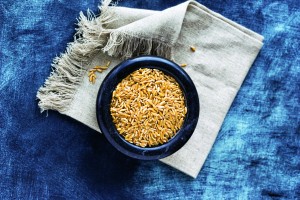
{"x":68,"y":68}
{"x":125,"y":46}
{"x":91,"y":37}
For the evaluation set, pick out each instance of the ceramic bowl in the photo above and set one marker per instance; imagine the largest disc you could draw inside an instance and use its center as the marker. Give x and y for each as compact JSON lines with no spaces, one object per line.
{"x":104,"y":117}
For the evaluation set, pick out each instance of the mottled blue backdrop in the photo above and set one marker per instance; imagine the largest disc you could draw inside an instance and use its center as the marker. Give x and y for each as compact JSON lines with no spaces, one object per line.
{"x":257,"y":152}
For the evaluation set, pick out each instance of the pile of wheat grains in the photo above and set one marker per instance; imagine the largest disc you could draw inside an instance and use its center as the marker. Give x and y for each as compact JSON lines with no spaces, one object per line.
{"x":148,"y":107}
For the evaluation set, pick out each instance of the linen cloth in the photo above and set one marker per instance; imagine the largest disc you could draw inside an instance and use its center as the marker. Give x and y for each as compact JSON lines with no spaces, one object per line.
{"x":225,"y":52}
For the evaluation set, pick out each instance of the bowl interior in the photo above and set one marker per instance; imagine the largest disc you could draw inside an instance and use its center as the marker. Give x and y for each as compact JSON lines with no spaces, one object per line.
{"x":105,"y":119}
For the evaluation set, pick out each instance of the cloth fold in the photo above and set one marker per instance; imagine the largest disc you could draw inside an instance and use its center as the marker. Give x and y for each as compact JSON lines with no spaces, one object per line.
{"x":154,"y":34}
{"x":225,"y":52}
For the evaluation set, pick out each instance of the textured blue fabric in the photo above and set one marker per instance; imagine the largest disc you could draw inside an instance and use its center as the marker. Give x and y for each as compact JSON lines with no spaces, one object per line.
{"x":256,"y":154}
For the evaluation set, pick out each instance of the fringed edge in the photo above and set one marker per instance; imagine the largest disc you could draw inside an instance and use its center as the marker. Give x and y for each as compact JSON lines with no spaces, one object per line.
{"x":124,"y":45}
{"x":68,"y":69}
{"x":91,"y":37}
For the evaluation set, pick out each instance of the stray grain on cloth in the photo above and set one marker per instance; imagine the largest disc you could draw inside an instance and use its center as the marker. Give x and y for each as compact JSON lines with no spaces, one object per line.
{"x":148,"y":107}
{"x":92,"y":76}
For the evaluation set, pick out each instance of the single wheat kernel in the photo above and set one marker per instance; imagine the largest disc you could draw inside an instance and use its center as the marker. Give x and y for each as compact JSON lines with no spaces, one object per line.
{"x":193,"y":48}
{"x":183,"y":65}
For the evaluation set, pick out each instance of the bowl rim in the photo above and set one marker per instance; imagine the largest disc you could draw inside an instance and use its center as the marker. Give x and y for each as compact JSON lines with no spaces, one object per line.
{"x":108,"y":128}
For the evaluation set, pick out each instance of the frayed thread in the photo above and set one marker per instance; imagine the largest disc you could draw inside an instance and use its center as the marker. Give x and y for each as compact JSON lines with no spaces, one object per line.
{"x":91,"y":38}
{"x":124,"y":45}
{"x":68,"y":68}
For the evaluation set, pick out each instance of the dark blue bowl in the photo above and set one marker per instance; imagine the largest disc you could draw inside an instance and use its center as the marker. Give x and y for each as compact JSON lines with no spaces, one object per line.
{"x":104,"y":117}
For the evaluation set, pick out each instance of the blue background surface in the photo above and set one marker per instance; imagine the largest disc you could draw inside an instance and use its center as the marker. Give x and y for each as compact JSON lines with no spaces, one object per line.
{"x":256,"y":154}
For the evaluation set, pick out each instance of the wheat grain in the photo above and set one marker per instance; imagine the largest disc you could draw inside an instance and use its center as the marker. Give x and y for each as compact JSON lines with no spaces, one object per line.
{"x":193,"y":49}
{"x":183,"y":65}
{"x":92,"y":76}
{"x":148,"y":107}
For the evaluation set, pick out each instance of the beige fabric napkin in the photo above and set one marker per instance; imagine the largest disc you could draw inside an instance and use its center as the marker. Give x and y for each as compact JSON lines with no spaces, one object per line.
{"x":225,"y":52}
